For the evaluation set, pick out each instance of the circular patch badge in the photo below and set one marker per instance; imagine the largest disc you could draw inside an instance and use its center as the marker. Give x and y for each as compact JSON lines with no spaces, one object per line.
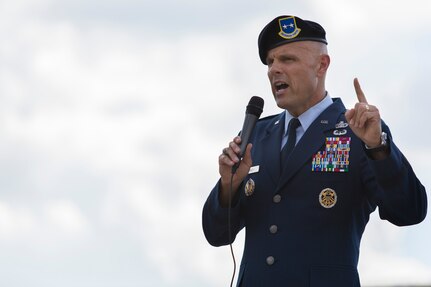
{"x":249,"y":187}
{"x":328,"y":198}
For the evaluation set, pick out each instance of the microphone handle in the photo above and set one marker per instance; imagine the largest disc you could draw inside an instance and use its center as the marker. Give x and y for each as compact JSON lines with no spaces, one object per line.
{"x":247,"y":129}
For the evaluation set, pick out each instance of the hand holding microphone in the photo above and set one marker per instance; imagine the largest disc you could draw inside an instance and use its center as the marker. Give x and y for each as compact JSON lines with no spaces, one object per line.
{"x":231,"y":161}
{"x":236,"y":158}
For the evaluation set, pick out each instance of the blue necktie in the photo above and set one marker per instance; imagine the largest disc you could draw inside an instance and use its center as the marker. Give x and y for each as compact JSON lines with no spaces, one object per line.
{"x":291,"y":141}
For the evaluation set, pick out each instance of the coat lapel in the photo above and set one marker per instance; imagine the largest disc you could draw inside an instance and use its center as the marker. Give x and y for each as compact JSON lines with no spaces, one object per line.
{"x":311,"y":141}
{"x":272,"y":139}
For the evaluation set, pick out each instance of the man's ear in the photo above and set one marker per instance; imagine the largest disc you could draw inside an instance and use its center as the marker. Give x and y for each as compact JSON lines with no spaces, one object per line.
{"x":325,"y":60}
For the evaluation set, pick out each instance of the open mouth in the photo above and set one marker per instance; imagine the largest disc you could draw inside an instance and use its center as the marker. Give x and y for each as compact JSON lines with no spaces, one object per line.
{"x":281,"y":86}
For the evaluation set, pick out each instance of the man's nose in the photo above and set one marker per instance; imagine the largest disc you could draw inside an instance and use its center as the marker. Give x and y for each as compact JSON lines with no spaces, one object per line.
{"x":274,"y":68}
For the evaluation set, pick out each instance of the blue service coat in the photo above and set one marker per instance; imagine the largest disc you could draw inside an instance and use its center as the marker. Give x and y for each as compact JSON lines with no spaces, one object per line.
{"x":292,"y":236}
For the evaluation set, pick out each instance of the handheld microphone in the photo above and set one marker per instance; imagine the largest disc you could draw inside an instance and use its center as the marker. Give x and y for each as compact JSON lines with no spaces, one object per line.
{"x":252,"y":114}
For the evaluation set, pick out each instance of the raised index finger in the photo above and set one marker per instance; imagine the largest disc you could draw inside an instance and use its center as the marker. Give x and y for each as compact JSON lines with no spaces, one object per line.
{"x":359,"y":92}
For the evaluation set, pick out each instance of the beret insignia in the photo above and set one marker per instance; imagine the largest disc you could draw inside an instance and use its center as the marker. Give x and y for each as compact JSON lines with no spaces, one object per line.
{"x":288,"y":28}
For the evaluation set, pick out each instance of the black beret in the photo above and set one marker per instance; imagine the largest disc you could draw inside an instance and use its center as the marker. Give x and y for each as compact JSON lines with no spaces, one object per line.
{"x":287,"y":29}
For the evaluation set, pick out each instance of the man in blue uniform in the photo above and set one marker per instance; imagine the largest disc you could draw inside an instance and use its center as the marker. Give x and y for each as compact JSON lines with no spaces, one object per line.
{"x":304,"y":212}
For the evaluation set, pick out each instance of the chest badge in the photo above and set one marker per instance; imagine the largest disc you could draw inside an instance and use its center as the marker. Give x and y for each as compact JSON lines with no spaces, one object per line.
{"x":328,"y":198}
{"x":340,"y":132}
{"x":249,"y":187}
{"x":341,"y":125}
{"x":335,"y":157}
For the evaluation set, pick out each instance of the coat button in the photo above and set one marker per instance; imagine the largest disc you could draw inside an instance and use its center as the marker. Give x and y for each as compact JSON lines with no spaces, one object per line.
{"x":276,"y":198}
{"x":270,"y":260}
{"x":273,"y":229}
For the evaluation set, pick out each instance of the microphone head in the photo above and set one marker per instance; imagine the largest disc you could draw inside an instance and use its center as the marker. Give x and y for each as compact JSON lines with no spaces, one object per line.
{"x":255,"y":106}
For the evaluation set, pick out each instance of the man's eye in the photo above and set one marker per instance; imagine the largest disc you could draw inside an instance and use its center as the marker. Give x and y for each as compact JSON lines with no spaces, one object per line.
{"x":287,"y":59}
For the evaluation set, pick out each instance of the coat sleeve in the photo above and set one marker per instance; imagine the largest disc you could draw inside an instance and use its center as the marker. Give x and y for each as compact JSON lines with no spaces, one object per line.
{"x":396,"y":190}
{"x":215,"y":219}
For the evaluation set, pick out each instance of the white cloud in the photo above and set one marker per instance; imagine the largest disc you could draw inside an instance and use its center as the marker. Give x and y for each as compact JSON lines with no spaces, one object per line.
{"x":382,"y":269}
{"x":66,"y":217}
{"x":15,"y":222}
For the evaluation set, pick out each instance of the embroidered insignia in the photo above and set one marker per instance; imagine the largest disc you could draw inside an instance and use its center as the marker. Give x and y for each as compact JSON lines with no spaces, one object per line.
{"x":340,"y":132}
{"x":335,"y":157}
{"x":249,"y":187}
{"x":328,"y":198}
{"x":341,"y":125}
{"x":288,"y":28}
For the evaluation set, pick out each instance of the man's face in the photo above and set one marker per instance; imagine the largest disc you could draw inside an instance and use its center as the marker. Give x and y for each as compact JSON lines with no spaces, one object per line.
{"x":295,"y":74}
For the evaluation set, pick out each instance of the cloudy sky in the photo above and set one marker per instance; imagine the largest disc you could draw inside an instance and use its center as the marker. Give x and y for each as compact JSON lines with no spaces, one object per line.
{"x":113,"y":113}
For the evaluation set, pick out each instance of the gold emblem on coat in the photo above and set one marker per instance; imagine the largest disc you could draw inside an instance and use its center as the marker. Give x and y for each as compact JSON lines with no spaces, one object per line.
{"x":328,"y":198}
{"x":249,"y":187}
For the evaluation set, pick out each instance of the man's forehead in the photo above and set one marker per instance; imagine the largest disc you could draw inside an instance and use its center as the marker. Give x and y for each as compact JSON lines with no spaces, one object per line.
{"x":294,"y":47}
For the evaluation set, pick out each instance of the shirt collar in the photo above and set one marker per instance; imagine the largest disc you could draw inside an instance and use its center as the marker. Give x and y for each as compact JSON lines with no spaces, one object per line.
{"x":308,"y":117}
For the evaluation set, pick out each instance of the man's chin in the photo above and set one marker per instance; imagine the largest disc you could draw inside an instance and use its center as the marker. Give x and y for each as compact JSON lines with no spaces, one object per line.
{"x":281,"y":104}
